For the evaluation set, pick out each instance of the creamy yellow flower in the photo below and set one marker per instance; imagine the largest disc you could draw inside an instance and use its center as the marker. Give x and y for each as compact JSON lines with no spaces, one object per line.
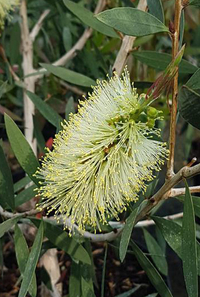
{"x":5,"y":7}
{"x":103,"y":157}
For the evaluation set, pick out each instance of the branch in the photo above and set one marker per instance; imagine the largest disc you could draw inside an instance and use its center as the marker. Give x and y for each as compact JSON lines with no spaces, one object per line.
{"x":127,"y":45}
{"x":78,"y":45}
{"x":181,"y":191}
{"x":146,"y":223}
{"x":175,"y":48}
{"x":38,"y":25}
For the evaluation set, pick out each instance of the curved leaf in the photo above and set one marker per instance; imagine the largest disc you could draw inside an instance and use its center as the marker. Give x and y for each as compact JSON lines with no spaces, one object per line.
{"x":21,"y":148}
{"x":160,"y":61}
{"x":189,"y":246}
{"x":189,"y":106}
{"x":156,"y":9}
{"x":132,"y":21}
{"x":151,"y":272}
{"x":87,"y":17}
{"x":69,"y":75}
{"x":32,"y":262}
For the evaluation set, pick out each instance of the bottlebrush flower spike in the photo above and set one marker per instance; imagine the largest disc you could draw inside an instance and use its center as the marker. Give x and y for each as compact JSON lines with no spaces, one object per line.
{"x":5,"y":7}
{"x":103,"y":157}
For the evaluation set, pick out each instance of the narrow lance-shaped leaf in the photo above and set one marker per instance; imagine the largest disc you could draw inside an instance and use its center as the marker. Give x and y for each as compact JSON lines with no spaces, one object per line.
{"x":156,"y":252}
{"x":21,"y":148}
{"x":62,"y":240}
{"x":6,"y":183}
{"x":69,"y":75}
{"x":156,"y":9}
{"x":7,"y":225}
{"x":87,"y":17}
{"x":22,"y":253}
{"x":132,"y":21}
{"x":189,"y":246}
{"x":189,"y":106}
{"x":32,"y":262}
{"x":151,"y":272}
{"x":49,"y":113}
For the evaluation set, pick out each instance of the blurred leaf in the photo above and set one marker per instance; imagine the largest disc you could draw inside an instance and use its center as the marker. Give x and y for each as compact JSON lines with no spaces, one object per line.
{"x":69,"y":108}
{"x":45,"y":278}
{"x":160,"y":61}
{"x":130,"y":292}
{"x":62,"y":240}
{"x":104,"y":271}
{"x":189,"y":106}
{"x":6,"y":183}
{"x":22,"y":254}
{"x":151,"y":272}
{"x":90,"y":268}
{"x":7,"y":225}
{"x":172,"y":233}
{"x":48,"y":113}
{"x":74,"y":280}
{"x":15,"y":40}
{"x":87,"y":17}
{"x":67,"y":38}
{"x":194,"y":81}
{"x":152,"y":295}
{"x":86,"y":289}
{"x":195,"y":201}
{"x":38,"y":135}
{"x":182,"y":27}
{"x":3,"y":88}
{"x":195,"y":3}
{"x":189,"y":246}
{"x":1,"y":256}
{"x":21,"y":149}
{"x":156,"y":252}
{"x":132,"y":21}
{"x":25,"y":195}
{"x":156,"y":9}
{"x":22,"y":183}
{"x":126,"y":234}
{"x":142,"y":40}
{"x":69,"y":75}
{"x":4,"y":110}
{"x":32,"y":262}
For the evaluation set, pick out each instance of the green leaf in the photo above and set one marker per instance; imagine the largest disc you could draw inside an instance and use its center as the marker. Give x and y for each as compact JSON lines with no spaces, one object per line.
{"x":126,"y":234}
{"x":156,"y":252}
{"x":21,"y":149}
{"x":129,"y":293}
{"x":104,"y":271}
{"x":22,"y":254}
{"x":189,"y":106}
{"x":182,"y":27}
{"x":194,"y":81}
{"x":67,"y":38}
{"x":74,"y":280}
{"x":38,"y":134}
{"x":25,"y":195}
{"x":62,"y":240}
{"x":7,"y":225}
{"x":195,"y":3}
{"x":6,"y":183}
{"x":151,"y":272}
{"x":48,"y":113}
{"x":172,"y":233}
{"x":160,"y":61}
{"x":69,"y":108}
{"x":195,"y":201}
{"x":156,"y":9}
{"x":87,"y":17}
{"x":32,"y":262}
{"x":132,"y":21}
{"x":189,"y":246}
{"x":69,"y":75}
{"x":21,"y":183}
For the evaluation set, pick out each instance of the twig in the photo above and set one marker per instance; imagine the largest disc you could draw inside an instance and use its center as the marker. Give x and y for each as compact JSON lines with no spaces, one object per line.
{"x":3,"y":55}
{"x":38,"y":25}
{"x":126,"y":46}
{"x":175,"y":48}
{"x":163,"y":192}
{"x":181,"y":191}
{"x":146,"y":223}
